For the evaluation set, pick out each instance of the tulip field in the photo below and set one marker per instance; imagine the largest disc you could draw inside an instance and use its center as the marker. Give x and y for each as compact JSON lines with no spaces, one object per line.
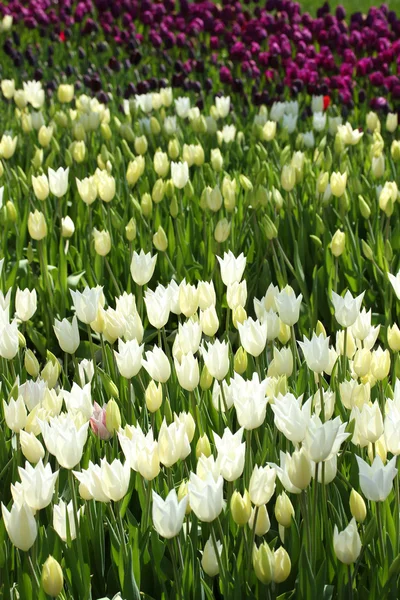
{"x":199,"y":300}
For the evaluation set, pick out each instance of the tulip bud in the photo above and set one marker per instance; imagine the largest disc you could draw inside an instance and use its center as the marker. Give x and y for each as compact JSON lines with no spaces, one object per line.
{"x":288,"y":178}
{"x":338,"y":243}
{"x":395,"y":150}
{"x":380,"y":450}
{"x":67,"y":227}
{"x":393,"y":337}
{"x":173,"y":149}
{"x":153,"y":396}
{"x":322,"y":182}
{"x":270,"y":228}
{"x":155,"y":126}
{"x":203,"y":446}
{"x":205,"y":379}
{"x":284,"y":333}
{"x":222,"y":231}
{"x":130,"y":230}
{"x":338,"y":183}
{"x":299,"y":469}
{"x":240,"y":361}
{"x":174,"y":208}
{"x":263,"y":524}
{"x":264,"y":563}
{"x":45,"y":135}
{"x":37,"y":226}
{"x":367,"y":250}
{"x":20,"y":99}
{"x":51,"y":372}
{"x":31,"y":364}
{"x":182,"y":493}
{"x":141,"y":145}
{"x":239,"y":315}
{"x":31,"y":447}
{"x":209,"y":561}
{"x":378,"y":166}
{"x":158,"y":191}
{"x":21,"y":340}
{"x":65,"y":93}
{"x":146,"y":204}
{"x":240,"y":507}
{"x":113,"y":416}
{"x":102,"y":242}
{"x":160,"y":240}
{"x":245,"y":183}
{"x":11,"y":212}
{"x":357,"y":507}
{"x":284,"y":510}
{"x":282,"y":565}
{"x":362,"y":362}
{"x":79,"y":151}
{"x":52,"y":577}
{"x":217,"y":160}
{"x":372,"y":121}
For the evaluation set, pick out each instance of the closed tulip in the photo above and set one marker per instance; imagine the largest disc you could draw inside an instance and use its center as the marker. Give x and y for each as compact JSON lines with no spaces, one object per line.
{"x":231,"y":453}
{"x":338,"y":183}
{"x":206,"y":496}
{"x":102,"y":241}
{"x":179,"y":174}
{"x":157,"y":365}
{"x":37,"y":226}
{"x":253,"y":336}
{"x":168,"y":514}
{"x":299,"y":469}
{"x":129,"y":358}
{"x":40,"y":187}
{"x":209,"y":561}
{"x":173,"y":443}
{"x":262,"y":485}
{"x":142,"y":267}
{"x":357,"y":507}
{"x":52,"y":577}
{"x":288,"y":305}
{"x":15,"y":414}
{"x":264,"y":563}
{"x":31,"y":447}
{"x":216,"y":359}
{"x":187,"y":371}
{"x":284,"y":511}
{"x":58,"y":181}
{"x":87,"y":189}
{"x":347,"y":543}
{"x":20,"y":525}
{"x":250,"y":401}
{"x":240,"y":507}
{"x":67,"y":334}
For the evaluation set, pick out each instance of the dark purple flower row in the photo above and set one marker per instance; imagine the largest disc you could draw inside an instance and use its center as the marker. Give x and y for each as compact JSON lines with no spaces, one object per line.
{"x":273,"y":45}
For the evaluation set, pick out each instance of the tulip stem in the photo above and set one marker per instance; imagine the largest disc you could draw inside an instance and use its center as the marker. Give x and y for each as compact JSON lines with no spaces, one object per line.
{"x":350,"y":582}
{"x":117,"y":288}
{"x":397,"y":509}
{"x":380,"y":528}
{"x":219,"y":561}
{"x":75,"y":507}
{"x":315,"y":513}
{"x":252,"y":540}
{"x":344,"y":358}
{"x":321,"y":395}
{"x":176,"y":573}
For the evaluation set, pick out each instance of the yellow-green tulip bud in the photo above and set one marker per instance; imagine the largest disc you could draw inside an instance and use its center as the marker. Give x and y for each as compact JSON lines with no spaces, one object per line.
{"x":11,"y":211}
{"x":130,"y":230}
{"x":146,"y":204}
{"x":222,"y":230}
{"x":203,"y":446}
{"x":367,"y":250}
{"x":79,"y":151}
{"x":173,"y":149}
{"x":245,"y":183}
{"x":282,"y":566}
{"x":174,"y":208}
{"x":65,"y":93}
{"x":182,"y":493}
{"x":264,"y":563}
{"x":239,"y":315}
{"x":240,"y":361}
{"x":155,"y":126}
{"x":113,"y":416}
{"x":52,"y":577}
{"x":153,"y":396}
{"x":284,"y":510}
{"x":338,"y":243}
{"x":364,"y":208}
{"x":357,"y":507}
{"x":395,"y":150}
{"x":21,"y":340}
{"x":205,"y":379}
{"x":105,"y":131}
{"x":158,"y":191}
{"x":160,"y":240}
{"x":393,"y":337}
{"x":141,"y":145}
{"x":31,"y":364}
{"x":240,"y":507}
